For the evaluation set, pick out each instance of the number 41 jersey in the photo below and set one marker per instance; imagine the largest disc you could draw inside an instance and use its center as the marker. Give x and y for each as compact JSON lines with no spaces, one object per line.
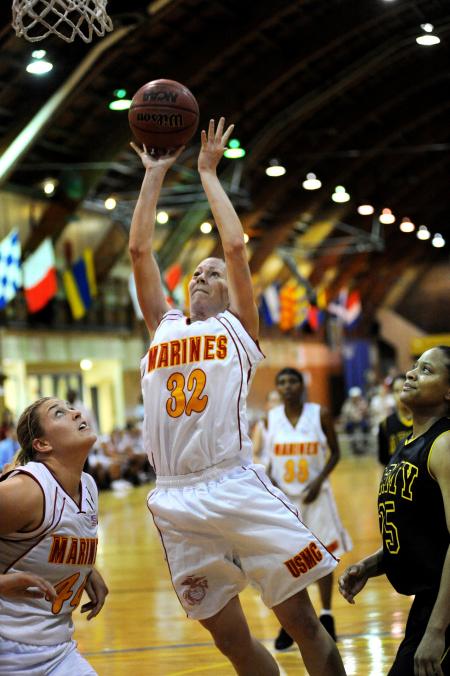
{"x":195,"y":380}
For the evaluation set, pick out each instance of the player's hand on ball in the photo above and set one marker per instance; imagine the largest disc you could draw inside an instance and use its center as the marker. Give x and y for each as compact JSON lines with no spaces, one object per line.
{"x":151,"y":161}
{"x":25,"y":586}
{"x":352,"y":581}
{"x":213,"y":144}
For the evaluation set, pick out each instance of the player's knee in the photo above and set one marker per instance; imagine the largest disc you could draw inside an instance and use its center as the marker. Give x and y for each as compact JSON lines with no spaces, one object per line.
{"x":302,"y":626}
{"x":230,"y":646}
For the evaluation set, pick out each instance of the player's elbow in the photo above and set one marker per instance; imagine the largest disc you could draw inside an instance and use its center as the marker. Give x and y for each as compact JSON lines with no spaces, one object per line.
{"x":235,"y":248}
{"x":137,"y":250}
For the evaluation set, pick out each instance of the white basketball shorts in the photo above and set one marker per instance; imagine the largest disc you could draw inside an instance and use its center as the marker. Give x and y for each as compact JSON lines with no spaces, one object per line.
{"x":24,"y":659}
{"x":224,"y":529}
{"x":322,"y":517}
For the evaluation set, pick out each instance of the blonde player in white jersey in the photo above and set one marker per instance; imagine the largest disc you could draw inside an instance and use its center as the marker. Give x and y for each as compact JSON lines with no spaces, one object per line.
{"x":221,"y":522}
{"x":48,"y":532}
{"x":303,"y":450}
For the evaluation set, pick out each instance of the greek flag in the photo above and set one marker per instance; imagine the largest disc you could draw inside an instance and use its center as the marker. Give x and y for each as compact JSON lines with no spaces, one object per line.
{"x":10,"y":270}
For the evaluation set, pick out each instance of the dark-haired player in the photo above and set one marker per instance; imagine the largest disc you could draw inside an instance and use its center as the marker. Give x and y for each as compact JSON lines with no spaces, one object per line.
{"x":396,"y":426}
{"x":414,"y":519}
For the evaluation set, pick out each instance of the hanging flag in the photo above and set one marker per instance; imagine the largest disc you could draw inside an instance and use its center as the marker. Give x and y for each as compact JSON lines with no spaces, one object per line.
{"x":338,"y":307}
{"x":294,"y":305}
{"x":354,"y":309}
{"x":314,"y":317}
{"x":269,"y":305}
{"x":10,"y":272}
{"x":39,"y":276}
{"x":80,"y":284}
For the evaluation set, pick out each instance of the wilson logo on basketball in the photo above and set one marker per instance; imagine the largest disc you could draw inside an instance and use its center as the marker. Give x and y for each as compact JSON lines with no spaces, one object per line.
{"x":161,"y":119}
{"x":196,"y":591}
{"x":170,"y":97}
{"x":306,"y":559}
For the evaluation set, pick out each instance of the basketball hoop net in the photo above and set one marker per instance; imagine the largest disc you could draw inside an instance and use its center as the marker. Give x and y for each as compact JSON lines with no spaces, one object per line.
{"x":37,"y":19}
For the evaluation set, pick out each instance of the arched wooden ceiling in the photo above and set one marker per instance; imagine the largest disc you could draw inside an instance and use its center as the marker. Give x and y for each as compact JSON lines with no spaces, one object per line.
{"x":337,"y":87}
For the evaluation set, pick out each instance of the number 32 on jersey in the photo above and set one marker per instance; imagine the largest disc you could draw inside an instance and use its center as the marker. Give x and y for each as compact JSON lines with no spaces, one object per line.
{"x":186,"y":396}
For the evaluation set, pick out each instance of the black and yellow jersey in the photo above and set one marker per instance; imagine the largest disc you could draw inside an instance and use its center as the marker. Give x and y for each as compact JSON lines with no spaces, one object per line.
{"x":391,"y":432}
{"x":412,"y":517}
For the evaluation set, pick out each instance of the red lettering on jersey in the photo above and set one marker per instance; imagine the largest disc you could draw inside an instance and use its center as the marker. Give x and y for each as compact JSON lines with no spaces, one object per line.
{"x":58,"y":550}
{"x":306,"y":559}
{"x":312,"y":447}
{"x":209,"y":346}
{"x":92,"y":554}
{"x":292,"y":568}
{"x":316,"y":552}
{"x":221,"y":350}
{"x":163,"y":359}
{"x":73,"y":552}
{"x":82,"y":552}
{"x":175,"y":348}
{"x":301,"y":565}
{"x":153,"y":351}
{"x":194,"y":349}
{"x":184,"y":350}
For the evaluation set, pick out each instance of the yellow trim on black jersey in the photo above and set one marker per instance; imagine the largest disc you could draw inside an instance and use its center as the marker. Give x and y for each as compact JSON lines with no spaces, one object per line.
{"x":431,"y":450}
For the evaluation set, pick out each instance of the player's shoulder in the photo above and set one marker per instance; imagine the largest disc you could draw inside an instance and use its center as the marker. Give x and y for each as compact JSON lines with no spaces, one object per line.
{"x":90,"y":484}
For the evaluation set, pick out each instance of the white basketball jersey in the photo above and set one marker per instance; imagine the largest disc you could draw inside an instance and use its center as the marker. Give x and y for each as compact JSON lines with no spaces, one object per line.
{"x":62,"y":550}
{"x":297,"y":454}
{"x":195,"y":381}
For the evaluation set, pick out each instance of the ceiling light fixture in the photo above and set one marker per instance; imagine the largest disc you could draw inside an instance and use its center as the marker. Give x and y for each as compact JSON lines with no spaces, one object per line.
{"x":234,"y":150}
{"x":39,"y":66}
{"x":110,"y":203}
{"x":85,"y":364}
{"x":49,"y":185}
{"x":423,"y":232}
{"x":427,"y":39}
{"x":311,"y":182}
{"x":206,"y":228}
{"x":162,"y":217}
{"x":120,"y":102}
{"x":386,"y":217}
{"x":438,"y":241}
{"x":365,"y":209}
{"x":275,"y":169}
{"x":246,"y":238}
{"x":340,"y":194}
{"x":407,"y":225}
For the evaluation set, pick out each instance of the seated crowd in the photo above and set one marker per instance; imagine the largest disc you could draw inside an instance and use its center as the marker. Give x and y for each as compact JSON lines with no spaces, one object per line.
{"x":116,"y":457}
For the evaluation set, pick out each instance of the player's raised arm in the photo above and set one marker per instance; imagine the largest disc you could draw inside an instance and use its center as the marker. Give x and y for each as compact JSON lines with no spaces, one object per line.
{"x":145,"y":269}
{"x":240,"y":287}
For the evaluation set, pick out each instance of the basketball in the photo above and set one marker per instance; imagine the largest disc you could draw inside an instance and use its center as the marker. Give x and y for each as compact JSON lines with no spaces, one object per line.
{"x":163,"y":115}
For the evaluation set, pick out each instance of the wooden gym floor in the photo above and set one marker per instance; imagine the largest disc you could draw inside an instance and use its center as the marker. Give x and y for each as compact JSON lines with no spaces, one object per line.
{"x":143,"y":630}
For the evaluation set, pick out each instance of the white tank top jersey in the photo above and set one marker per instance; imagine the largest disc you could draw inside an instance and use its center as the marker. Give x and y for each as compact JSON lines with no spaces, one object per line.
{"x":195,"y":380}
{"x":296,"y":454}
{"x":62,"y":550}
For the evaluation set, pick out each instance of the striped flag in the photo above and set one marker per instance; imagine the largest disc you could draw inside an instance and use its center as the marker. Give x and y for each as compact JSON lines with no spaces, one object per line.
{"x":270,"y":305}
{"x":39,"y":276}
{"x":80,"y":284}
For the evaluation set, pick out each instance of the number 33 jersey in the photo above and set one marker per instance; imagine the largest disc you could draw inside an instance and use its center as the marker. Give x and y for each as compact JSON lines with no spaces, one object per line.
{"x":297,"y":454}
{"x":195,"y":380}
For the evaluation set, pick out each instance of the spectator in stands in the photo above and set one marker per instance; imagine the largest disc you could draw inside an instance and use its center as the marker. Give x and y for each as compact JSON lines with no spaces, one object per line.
{"x":8,"y":445}
{"x":355,"y":419}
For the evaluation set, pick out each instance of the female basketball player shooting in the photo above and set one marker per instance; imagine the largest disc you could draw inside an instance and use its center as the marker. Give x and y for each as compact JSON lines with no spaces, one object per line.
{"x":222,"y":523}
{"x":414,"y":518}
{"x":48,"y":528}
